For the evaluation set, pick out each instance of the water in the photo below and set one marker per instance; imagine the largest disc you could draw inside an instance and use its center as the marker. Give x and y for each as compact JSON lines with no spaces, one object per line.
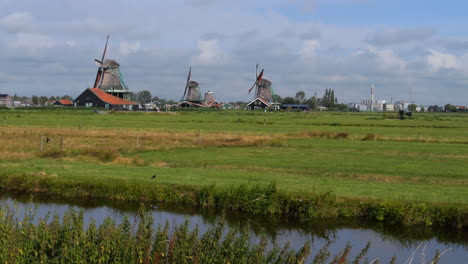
{"x":386,"y":242}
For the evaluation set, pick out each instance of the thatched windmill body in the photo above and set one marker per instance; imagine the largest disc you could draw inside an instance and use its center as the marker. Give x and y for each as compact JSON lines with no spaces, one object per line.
{"x":109,"y":77}
{"x":192,"y":91}
{"x":263,"y":89}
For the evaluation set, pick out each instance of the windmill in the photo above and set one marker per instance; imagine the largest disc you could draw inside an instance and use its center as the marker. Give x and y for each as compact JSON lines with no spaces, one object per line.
{"x":192,"y":90}
{"x":262,"y":86}
{"x":109,"y":78}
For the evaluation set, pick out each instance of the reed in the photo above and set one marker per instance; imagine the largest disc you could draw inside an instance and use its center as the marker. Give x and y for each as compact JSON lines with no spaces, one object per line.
{"x":72,"y":239}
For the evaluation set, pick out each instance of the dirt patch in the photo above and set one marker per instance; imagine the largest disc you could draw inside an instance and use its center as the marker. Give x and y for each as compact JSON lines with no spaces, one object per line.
{"x":160,"y":164}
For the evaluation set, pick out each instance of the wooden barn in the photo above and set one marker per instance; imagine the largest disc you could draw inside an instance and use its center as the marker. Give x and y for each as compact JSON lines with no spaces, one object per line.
{"x":257,"y":104}
{"x":95,"y":97}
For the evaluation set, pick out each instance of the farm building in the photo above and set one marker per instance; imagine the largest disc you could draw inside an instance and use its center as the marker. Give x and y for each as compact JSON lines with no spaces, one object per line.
{"x":63,"y":102}
{"x":260,"y":103}
{"x":5,"y":100}
{"x":95,"y":97}
{"x":295,"y":107}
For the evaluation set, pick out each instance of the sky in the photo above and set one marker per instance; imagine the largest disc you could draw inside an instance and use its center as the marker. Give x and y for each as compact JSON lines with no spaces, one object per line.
{"x":409,"y":49}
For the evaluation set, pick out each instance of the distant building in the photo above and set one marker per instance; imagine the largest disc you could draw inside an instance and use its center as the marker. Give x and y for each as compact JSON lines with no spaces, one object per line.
{"x":358,"y":107}
{"x":260,"y":103}
{"x":95,"y":97}
{"x":5,"y":100}
{"x":435,"y":108}
{"x":63,"y":102}
{"x":295,"y":107}
{"x":388,"y":107}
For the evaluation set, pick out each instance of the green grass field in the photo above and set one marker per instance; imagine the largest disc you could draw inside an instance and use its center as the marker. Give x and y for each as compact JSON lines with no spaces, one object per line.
{"x":357,"y":156}
{"x":424,"y":159}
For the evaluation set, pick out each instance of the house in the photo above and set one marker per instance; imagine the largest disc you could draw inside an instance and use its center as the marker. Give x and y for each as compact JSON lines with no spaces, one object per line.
{"x":95,"y":97}
{"x":227,"y":106}
{"x":5,"y":100}
{"x":260,"y":103}
{"x":63,"y":102}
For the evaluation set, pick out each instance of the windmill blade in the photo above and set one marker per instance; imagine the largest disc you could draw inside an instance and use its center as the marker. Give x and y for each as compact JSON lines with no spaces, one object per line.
{"x":256,"y":71}
{"x":188,"y":80}
{"x":252,"y":86}
{"x":259,"y":77}
{"x":105,"y":49}
{"x":100,"y":72}
{"x":98,"y":62}
{"x":102,"y":76}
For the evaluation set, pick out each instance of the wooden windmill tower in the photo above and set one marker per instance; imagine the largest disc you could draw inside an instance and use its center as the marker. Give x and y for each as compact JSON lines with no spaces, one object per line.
{"x":192,"y":91}
{"x":263,"y":89}
{"x":109,"y":78}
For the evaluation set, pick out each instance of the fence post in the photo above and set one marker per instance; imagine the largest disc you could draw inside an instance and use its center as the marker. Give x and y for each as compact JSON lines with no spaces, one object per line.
{"x":42,"y":143}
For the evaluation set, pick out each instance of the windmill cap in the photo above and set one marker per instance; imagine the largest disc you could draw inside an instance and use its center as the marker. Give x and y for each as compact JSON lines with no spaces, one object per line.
{"x":264,"y":81}
{"x":111,"y":63}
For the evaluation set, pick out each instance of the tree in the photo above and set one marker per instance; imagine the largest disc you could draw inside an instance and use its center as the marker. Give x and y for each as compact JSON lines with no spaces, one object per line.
{"x":328,"y":100}
{"x":312,"y":102}
{"x":35,"y":99}
{"x":300,"y":96}
{"x":412,"y":107}
{"x":144,"y":96}
{"x":67,"y":97}
{"x":289,"y":100}
{"x":43,"y":100}
{"x":450,"y":108}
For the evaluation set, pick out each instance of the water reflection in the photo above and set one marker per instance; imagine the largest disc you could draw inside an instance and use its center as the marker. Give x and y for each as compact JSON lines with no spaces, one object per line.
{"x":386,"y":241}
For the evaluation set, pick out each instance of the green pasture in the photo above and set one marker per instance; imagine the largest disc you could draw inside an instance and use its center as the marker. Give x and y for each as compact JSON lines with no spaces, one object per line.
{"x":390,"y":169}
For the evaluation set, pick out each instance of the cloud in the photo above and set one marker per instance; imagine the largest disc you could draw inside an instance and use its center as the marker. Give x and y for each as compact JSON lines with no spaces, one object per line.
{"x":384,"y":59}
{"x":223,"y":40}
{"x":400,"y":36}
{"x":210,"y":53}
{"x":309,"y":48}
{"x":32,"y":42}
{"x":312,"y":33}
{"x":18,"y":22}
{"x":129,"y":48}
{"x":438,"y":60}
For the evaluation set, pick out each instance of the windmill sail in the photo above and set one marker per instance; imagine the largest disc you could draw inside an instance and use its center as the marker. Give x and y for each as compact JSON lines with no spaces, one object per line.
{"x":100,"y":72}
{"x":188,"y":80}
{"x":260,"y":76}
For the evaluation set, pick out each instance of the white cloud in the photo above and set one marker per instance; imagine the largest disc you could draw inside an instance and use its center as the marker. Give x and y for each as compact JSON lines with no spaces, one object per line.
{"x":438,"y":60}
{"x":309,"y":48}
{"x":129,"y":48}
{"x":210,"y":53}
{"x":32,"y":42}
{"x":18,"y":22}
{"x":386,"y":59}
{"x":70,"y":43}
{"x":399,"y":36}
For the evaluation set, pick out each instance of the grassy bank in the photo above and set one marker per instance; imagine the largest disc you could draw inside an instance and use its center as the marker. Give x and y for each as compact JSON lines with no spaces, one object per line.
{"x":366,"y":165}
{"x":251,"y":199}
{"x":70,"y":240}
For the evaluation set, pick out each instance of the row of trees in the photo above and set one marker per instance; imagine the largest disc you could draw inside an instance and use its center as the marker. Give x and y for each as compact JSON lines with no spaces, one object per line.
{"x":328,"y":100}
{"x":39,"y":100}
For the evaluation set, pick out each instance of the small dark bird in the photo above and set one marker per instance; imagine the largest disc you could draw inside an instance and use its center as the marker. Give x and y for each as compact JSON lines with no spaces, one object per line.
{"x":47,"y":140}
{"x":154,"y":176}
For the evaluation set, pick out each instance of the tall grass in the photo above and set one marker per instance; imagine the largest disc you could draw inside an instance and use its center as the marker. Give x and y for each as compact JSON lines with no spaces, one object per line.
{"x":71,"y":239}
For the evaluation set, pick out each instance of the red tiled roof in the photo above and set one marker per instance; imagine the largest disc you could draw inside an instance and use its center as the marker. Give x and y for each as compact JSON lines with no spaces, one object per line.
{"x":65,"y":102}
{"x":110,"y":99}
